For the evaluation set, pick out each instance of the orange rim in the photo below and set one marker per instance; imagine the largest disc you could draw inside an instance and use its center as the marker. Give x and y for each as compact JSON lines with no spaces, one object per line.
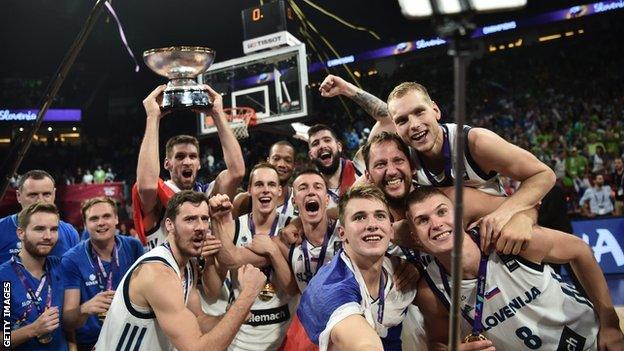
{"x":247,"y":114}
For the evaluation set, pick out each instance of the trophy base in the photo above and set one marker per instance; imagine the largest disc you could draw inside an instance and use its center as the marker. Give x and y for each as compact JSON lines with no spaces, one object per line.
{"x":176,"y":99}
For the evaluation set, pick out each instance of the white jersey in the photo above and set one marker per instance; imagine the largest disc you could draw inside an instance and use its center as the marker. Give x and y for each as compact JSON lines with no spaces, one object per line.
{"x":474,"y":176}
{"x":288,"y":207}
{"x":130,"y":327}
{"x":526,"y":306}
{"x":269,"y":321}
{"x":158,"y":235}
{"x":299,"y":260}
{"x":338,"y":291}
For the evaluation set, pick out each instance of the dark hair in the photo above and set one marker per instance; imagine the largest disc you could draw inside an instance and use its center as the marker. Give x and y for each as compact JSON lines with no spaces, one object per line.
{"x":320,"y":127}
{"x":283,"y":143}
{"x":94,"y":201}
{"x":261,"y":165}
{"x":309,"y":170}
{"x":36,"y":174}
{"x":173,"y":207}
{"x":24,"y":216}
{"x":421,"y":194}
{"x":382,"y":138}
{"x":360,"y":191}
{"x":180,"y":139}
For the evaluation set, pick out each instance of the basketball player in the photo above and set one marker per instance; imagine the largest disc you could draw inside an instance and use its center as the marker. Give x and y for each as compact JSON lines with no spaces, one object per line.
{"x":150,"y":195}
{"x":93,"y":269}
{"x":156,"y":306}
{"x":416,"y":119}
{"x":325,"y":151}
{"x":282,"y":157}
{"x":251,"y":239}
{"x":525,"y":305}
{"x":34,"y":280}
{"x":352,"y":303}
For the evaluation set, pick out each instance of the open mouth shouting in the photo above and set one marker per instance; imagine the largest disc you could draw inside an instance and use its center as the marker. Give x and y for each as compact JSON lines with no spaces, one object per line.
{"x":312,"y":206}
{"x":265,"y":200}
{"x":325,"y":156}
{"x":198,"y":241}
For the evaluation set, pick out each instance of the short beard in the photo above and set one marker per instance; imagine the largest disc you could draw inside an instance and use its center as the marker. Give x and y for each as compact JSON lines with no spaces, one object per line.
{"x":332,"y":168}
{"x":33,"y":251}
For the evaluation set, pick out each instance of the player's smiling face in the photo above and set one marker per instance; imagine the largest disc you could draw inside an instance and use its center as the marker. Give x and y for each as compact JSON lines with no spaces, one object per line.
{"x":101,"y":222}
{"x":367,"y":230}
{"x":311,"y":197}
{"x":389,"y":169}
{"x":432,"y":221}
{"x":264,"y":189}
{"x":325,"y":151}
{"x":183,"y":164}
{"x":416,"y":120}
{"x":282,"y":157}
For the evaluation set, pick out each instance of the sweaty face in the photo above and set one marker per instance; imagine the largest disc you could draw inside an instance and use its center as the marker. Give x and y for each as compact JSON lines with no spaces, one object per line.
{"x":325,"y":151}
{"x":40,"y":235}
{"x":264,"y":189}
{"x":190,"y":227}
{"x":101,"y":222}
{"x":389,"y":169}
{"x":282,"y":157}
{"x":416,"y":121}
{"x":36,"y":190}
{"x":432,"y":221}
{"x":183,"y":165}
{"x":310,"y":197}
{"x":367,"y":230}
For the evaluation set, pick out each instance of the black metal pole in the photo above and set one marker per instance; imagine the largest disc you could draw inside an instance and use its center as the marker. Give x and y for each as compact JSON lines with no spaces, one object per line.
{"x":460,"y":51}
{"x":51,"y":92}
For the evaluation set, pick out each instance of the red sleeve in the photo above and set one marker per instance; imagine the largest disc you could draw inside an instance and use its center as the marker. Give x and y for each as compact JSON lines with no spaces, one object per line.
{"x":164,"y":194}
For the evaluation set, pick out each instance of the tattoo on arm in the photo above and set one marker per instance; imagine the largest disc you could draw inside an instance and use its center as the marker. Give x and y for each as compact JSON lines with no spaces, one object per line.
{"x":371,"y":104}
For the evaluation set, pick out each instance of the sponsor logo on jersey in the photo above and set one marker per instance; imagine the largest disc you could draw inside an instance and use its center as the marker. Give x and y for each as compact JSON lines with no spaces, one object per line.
{"x":269,"y":316}
{"x":91,"y":281}
{"x":570,"y":341}
{"x":511,"y":308}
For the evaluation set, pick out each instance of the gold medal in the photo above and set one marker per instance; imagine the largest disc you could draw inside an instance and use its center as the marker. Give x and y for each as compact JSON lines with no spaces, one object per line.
{"x":474,"y":337}
{"x":45,"y":338}
{"x":267,"y":292}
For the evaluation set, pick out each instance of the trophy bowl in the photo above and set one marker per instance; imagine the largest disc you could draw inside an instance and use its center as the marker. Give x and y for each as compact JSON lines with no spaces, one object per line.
{"x":181,"y":64}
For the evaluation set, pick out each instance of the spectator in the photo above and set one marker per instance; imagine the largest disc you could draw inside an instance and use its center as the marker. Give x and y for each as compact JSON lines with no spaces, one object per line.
{"x":99,"y":175}
{"x":599,"y":198}
{"x":87,"y":178}
{"x":110,"y":176}
{"x":617,"y":179}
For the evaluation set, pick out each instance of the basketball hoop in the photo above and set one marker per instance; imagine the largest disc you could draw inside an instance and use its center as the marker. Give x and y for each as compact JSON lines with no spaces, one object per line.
{"x":240,"y":118}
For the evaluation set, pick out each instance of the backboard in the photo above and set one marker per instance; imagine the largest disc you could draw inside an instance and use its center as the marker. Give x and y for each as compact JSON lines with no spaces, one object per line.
{"x":273,"y":83}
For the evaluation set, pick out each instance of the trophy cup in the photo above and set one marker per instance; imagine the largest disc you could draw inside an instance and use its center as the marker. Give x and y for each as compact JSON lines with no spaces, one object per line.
{"x":181,"y":64}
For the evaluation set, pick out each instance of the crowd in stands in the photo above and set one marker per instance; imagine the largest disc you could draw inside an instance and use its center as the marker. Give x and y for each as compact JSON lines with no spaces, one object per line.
{"x":565,"y":108}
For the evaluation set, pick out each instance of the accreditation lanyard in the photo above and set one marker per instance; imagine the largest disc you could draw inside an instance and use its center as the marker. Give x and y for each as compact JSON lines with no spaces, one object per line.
{"x":186,"y":276}
{"x":477,"y":325}
{"x":382,"y":296}
{"x":448,"y":162}
{"x":105,"y":279}
{"x":286,"y":202}
{"x":252,"y":229}
{"x":306,"y":257}
{"x":34,"y":295}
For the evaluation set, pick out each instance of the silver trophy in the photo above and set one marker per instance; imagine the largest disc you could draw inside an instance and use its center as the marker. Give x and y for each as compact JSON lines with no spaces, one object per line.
{"x":181,"y":64}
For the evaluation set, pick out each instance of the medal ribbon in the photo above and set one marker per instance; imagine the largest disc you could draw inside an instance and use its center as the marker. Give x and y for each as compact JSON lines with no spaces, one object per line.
{"x":477,"y":325}
{"x":336,"y":196}
{"x":321,"y":257}
{"x":19,"y":268}
{"x":448,"y":162}
{"x":100,"y":272}
{"x":382,"y":296}
{"x":286,"y":203}
{"x":252,"y":229}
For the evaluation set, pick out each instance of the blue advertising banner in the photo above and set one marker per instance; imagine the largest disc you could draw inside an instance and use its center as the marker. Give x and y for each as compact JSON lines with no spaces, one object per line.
{"x":606,"y":238}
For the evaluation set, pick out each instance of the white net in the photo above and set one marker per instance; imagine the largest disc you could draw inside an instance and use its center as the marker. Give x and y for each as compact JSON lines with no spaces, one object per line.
{"x":239,"y":127}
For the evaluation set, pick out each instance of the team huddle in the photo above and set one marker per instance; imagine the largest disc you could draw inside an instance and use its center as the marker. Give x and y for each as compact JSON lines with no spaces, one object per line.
{"x":350,"y":254}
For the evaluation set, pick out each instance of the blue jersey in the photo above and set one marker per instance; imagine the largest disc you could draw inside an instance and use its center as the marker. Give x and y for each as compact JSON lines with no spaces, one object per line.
{"x":338,"y":291}
{"x":21,"y":301}
{"x":80,"y":272}
{"x":10,"y":245}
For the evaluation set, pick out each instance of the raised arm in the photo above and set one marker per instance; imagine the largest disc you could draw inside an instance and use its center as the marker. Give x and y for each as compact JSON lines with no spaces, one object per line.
{"x":262,"y":244}
{"x":148,"y":167}
{"x":553,"y":246}
{"x":223,"y":226}
{"x":228,"y":180}
{"x":180,"y":323}
{"x":493,"y":153}
{"x":375,"y":107}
